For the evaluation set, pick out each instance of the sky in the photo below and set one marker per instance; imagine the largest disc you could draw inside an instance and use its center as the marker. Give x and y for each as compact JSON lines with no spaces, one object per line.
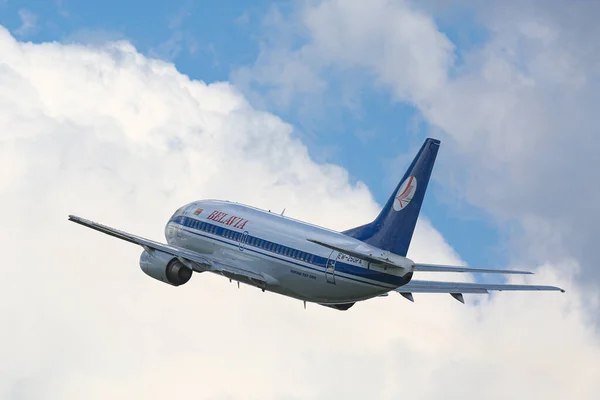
{"x":123,"y":111}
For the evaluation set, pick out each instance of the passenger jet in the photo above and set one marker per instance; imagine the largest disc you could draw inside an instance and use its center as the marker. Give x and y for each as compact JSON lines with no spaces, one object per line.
{"x":307,"y":262}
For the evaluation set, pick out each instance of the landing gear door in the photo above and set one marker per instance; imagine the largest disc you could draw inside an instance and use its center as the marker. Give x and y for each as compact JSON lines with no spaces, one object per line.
{"x":330,"y":267}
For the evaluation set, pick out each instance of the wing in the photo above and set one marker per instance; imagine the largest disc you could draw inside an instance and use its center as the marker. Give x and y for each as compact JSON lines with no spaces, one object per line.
{"x":455,"y":268}
{"x":456,"y":289}
{"x":198,"y":262}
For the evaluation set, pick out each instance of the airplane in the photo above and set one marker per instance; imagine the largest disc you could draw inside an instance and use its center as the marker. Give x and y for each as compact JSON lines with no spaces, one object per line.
{"x":310,"y":263}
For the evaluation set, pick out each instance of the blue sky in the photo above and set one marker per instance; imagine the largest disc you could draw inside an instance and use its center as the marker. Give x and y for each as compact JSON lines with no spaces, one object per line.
{"x":210,"y":40}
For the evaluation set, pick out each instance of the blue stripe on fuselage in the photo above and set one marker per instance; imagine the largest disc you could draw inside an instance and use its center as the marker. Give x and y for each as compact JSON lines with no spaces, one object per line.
{"x":315,"y":260}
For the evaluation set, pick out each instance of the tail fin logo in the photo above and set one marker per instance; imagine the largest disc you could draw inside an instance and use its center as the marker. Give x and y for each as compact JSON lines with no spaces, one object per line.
{"x":406,"y":193}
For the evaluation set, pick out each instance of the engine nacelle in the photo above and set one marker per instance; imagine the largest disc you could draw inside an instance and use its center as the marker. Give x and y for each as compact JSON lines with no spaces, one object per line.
{"x":164,"y":267}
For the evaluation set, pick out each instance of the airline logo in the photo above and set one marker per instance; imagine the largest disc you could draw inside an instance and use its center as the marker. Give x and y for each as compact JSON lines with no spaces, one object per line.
{"x":226,"y":219}
{"x":405,"y":193}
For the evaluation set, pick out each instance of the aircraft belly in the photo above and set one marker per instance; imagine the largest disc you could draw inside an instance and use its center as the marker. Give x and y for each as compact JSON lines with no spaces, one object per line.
{"x":311,"y":285}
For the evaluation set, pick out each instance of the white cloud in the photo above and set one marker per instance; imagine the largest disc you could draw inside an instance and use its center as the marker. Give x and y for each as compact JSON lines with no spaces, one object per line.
{"x":106,"y":133}
{"x":28,"y":23}
{"x":519,"y":111}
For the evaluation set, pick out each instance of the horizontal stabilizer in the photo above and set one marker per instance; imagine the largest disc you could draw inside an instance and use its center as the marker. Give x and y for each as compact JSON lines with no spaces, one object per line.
{"x":366,"y":252}
{"x":455,"y":268}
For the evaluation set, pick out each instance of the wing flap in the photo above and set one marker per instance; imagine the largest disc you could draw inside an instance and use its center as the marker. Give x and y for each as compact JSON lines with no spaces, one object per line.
{"x":456,"y":268}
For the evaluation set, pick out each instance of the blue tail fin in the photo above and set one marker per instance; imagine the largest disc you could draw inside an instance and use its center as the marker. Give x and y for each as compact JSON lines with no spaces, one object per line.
{"x":393,"y":228}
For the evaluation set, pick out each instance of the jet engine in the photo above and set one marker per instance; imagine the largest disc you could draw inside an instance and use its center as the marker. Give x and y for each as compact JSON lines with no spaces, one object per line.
{"x":164,"y":267}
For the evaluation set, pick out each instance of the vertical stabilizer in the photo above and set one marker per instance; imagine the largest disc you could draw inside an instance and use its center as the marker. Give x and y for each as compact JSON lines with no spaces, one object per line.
{"x":393,"y":228}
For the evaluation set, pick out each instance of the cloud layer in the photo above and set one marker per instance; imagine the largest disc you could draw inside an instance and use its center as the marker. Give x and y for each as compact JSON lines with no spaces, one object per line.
{"x":109,"y":134}
{"x":517,"y":111}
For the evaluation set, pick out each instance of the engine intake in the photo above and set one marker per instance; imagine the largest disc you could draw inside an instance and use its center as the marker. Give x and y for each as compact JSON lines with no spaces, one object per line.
{"x":164,"y":267}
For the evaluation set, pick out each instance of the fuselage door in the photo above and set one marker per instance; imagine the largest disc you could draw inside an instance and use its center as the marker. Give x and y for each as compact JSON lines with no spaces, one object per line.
{"x":330,"y":267}
{"x":186,"y":213}
{"x":243,"y":239}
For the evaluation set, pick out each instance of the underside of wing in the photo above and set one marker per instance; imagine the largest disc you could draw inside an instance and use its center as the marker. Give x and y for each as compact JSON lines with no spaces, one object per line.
{"x":457,"y":289}
{"x":455,"y":268}
{"x":417,"y":286}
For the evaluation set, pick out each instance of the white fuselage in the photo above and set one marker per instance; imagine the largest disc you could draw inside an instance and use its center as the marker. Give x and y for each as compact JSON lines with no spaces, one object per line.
{"x":276,"y":247}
